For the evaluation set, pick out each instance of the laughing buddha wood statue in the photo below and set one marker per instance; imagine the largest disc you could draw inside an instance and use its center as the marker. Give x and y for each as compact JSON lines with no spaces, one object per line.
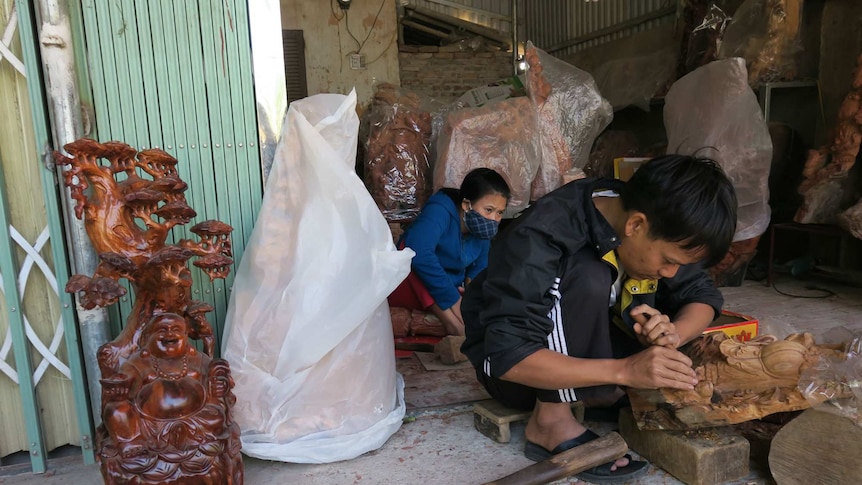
{"x":166,"y":407}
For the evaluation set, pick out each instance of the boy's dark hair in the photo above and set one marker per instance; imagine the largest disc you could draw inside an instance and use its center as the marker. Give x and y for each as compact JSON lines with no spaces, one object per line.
{"x":686,"y":199}
{"x":478,"y":183}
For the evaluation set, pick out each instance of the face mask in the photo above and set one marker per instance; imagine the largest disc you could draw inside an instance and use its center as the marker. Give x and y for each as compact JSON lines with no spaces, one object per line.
{"x":479,"y":226}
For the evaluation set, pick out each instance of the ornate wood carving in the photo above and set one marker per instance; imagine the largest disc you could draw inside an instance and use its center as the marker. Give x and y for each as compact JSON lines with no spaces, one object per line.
{"x":166,"y":407}
{"x":827,"y":170}
{"x":739,"y":381}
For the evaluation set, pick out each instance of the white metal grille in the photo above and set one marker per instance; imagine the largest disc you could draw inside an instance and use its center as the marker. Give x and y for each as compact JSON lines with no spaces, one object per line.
{"x":47,"y":352}
{"x":6,"y":41}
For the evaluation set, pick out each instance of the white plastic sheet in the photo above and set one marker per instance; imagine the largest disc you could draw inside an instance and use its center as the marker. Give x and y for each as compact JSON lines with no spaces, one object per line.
{"x":712,"y":112}
{"x":308,"y":334}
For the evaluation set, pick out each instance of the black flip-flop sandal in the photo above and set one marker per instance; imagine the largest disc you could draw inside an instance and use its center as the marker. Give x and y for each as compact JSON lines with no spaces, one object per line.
{"x":599,"y":474}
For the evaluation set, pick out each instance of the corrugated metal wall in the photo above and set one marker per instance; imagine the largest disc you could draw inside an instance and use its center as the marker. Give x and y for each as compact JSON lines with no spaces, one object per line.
{"x":549,"y":23}
{"x":496,"y":14}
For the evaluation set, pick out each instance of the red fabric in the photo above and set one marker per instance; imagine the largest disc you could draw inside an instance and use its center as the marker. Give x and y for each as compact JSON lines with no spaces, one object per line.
{"x":411,"y":294}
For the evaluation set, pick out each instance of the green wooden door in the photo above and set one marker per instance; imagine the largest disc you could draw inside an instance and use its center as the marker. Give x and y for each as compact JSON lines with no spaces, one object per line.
{"x":177,"y":75}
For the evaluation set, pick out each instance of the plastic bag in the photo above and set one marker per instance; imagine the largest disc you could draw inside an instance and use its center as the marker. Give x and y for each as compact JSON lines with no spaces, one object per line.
{"x":836,"y":385}
{"x":307,"y":333}
{"x":762,"y":34}
{"x":500,"y":136}
{"x":634,"y":80}
{"x":705,"y":39}
{"x":397,"y":155}
{"x":712,"y":112}
{"x":570,"y":115}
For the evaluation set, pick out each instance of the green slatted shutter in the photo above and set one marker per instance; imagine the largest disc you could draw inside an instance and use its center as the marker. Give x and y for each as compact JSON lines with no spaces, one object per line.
{"x":177,"y":75}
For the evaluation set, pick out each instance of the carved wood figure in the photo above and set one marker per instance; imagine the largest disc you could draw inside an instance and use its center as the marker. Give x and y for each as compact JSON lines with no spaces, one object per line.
{"x":739,"y":381}
{"x":827,"y":170}
{"x":166,"y":407}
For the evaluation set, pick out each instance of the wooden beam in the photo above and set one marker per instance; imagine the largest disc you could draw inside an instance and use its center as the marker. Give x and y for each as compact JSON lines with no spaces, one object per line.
{"x":459,"y":24}
{"x":580,"y":458}
{"x":427,"y":30}
{"x":468,"y":8}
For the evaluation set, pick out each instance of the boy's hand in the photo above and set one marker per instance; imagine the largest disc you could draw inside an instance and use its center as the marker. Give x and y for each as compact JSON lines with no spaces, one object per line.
{"x":657,"y":367}
{"x":654,"y":328}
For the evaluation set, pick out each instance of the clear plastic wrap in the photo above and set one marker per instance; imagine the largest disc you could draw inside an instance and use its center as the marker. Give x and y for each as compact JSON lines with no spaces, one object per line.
{"x":705,"y":39}
{"x":634,"y":80}
{"x":712,"y":112}
{"x":307,"y":332}
{"x":397,"y":152}
{"x":763,"y":33}
{"x":500,"y":136}
{"x":570,"y":115}
{"x":835,"y":385}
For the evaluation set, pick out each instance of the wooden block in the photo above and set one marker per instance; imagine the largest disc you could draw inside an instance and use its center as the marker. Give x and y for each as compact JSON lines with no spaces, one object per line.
{"x":492,"y":418}
{"x":698,"y":457}
{"x":817,"y":447}
{"x":449,"y":349}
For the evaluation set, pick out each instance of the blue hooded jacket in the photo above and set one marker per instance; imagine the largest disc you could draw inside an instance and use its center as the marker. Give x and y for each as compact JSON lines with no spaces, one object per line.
{"x":444,"y":257}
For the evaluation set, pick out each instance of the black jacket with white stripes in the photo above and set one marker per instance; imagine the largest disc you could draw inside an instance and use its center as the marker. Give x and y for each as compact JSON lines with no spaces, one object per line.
{"x":506,"y":308}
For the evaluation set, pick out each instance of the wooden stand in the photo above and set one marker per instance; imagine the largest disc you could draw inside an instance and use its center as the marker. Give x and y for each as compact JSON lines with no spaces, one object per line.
{"x":492,"y":418}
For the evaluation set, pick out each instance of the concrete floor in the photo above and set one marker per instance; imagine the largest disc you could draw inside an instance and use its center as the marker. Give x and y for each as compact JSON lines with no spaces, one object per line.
{"x":439,"y":445}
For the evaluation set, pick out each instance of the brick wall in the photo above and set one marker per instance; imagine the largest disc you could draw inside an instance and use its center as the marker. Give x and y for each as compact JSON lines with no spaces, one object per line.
{"x":445,"y":73}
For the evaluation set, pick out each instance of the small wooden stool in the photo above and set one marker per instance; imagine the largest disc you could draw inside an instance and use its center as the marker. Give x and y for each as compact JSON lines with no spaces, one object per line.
{"x":492,"y":418}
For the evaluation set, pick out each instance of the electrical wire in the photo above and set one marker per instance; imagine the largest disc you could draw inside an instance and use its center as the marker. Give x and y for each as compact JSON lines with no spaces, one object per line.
{"x":373,"y":24}
{"x":332,"y":7}
{"x":347,"y":26}
{"x":391,"y":39}
{"x":826,"y":293}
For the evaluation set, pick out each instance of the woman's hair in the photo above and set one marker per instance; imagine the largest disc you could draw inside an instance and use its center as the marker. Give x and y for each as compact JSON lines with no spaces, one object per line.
{"x":686,"y":199}
{"x":484,"y":181}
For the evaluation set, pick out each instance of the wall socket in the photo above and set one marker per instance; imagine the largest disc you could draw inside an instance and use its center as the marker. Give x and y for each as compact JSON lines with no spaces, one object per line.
{"x":357,"y":61}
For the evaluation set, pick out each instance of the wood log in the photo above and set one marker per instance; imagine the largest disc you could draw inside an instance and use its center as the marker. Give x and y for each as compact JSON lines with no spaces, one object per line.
{"x":580,"y":458}
{"x":818,"y":447}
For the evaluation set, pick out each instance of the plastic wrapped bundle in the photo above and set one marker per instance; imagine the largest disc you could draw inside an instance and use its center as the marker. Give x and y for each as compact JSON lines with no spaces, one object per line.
{"x":397,"y":155}
{"x":712,"y":112}
{"x":764,"y":32}
{"x":499,"y":136}
{"x":308,"y":333}
{"x":570,"y":115}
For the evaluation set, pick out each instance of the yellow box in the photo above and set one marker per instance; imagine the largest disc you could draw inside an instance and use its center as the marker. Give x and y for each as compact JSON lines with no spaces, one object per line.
{"x":734,"y":325}
{"x":625,"y":167}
